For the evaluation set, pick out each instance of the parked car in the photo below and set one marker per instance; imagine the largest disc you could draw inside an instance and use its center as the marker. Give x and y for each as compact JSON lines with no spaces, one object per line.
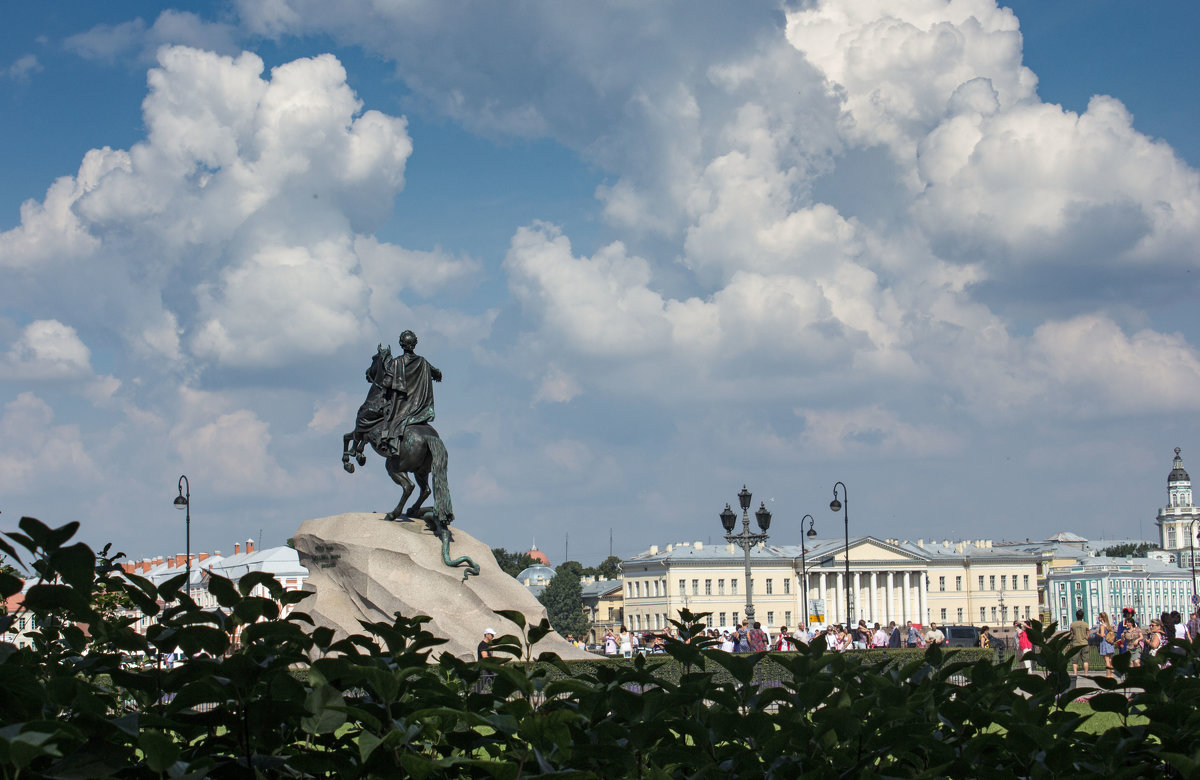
{"x":961,"y":636}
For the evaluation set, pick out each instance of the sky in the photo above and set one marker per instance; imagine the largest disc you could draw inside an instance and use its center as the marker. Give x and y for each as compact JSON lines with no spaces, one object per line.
{"x":941,"y":252}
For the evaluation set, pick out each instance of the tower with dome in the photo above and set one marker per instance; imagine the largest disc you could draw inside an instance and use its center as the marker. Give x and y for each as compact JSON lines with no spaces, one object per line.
{"x":1179,"y":519}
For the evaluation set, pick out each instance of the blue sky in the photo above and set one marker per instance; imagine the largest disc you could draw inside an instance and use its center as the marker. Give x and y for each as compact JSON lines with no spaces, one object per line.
{"x":942,"y":252}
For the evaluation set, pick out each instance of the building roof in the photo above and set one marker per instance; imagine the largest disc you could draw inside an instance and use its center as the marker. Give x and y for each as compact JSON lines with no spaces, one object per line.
{"x":1177,"y":472}
{"x":1066,"y":537}
{"x":537,"y":574}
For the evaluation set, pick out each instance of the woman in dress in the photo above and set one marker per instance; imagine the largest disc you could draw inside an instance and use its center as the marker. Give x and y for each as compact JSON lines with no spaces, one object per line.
{"x":1108,"y":638}
{"x":610,"y":643}
{"x":1024,"y":645}
{"x":626,"y":642}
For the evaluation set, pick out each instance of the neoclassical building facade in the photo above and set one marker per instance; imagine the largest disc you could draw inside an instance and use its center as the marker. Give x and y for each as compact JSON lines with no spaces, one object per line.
{"x":888,"y":580}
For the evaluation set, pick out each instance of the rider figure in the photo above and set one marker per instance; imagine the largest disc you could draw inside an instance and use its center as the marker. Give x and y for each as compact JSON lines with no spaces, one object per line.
{"x":411,"y":379}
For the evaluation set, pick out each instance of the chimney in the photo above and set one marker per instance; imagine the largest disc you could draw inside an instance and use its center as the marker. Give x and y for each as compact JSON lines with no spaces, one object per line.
{"x":129,"y":567}
{"x":181,"y":559}
{"x":201,"y":557}
{"x":171,"y":562}
{"x":921,"y":543}
{"x":670,"y":547}
{"x":249,"y":546}
{"x":958,"y":548}
{"x":157,"y":560}
{"x":654,"y":549}
{"x":698,"y":545}
{"x":237,"y":548}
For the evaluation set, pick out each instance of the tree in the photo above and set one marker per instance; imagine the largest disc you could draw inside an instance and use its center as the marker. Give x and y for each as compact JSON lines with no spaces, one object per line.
{"x":1131,"y":550}
{"x":513,"y":563}
{"x":563,"y":600}
{"x":610,"y":568}
{"x":574,"y":567}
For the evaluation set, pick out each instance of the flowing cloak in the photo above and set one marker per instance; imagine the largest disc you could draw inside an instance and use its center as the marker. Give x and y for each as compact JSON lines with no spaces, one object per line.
{"x":411,"y":380}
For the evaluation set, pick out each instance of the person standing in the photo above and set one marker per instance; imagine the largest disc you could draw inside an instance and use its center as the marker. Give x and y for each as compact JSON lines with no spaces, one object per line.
{"x":784,"y":641}
{"x":879,"y":638}
{"x":1079,"y":643}
{"x":1024,"y":645}
{"x":914,"y":635}
{"x":1108,"y":642}
{"x":610,"y":642}
{"x":626,"y":642}
{"x":934,"y":635}
{"x":893,"y":635}
{"x":757,"y":638}
{"x":484,"y":650}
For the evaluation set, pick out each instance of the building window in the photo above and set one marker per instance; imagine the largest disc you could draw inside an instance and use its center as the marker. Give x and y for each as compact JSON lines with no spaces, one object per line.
{"x":1004,"y":613}
{"x":1014,"y":585}
{"x":993,"y":614}
{"x":721,"y":587}
{"x":695,"y":587}
{"x":982,"y":614}
{"x":943,"y":613}
{"x":637,"y":589}
{"x":733,"y":586}
{"x":992,"y":582}
{"x":722,"y":616}
{"x":708,"y":587}
{"x":958,"y":583}
{"x":770,"y":619}
{"x":941,"y":583}
{"x":981,"y":582}
{"x":1025,"y":582}
{"x":735,"y":618}
{"x":1027,"y":613}
{"x":770,"y":590}
{"x":787,"y":585}
{"x":629,"y":590}
{"x":787,"y":616}
{"x":960,"y":614}
{"x":682,"y":587}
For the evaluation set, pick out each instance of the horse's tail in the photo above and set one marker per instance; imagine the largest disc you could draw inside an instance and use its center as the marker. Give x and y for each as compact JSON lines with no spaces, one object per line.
{"x":441,"y":485}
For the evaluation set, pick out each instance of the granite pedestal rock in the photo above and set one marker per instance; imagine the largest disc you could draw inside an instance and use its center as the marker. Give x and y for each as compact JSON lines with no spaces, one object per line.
{"x":363,"y":567}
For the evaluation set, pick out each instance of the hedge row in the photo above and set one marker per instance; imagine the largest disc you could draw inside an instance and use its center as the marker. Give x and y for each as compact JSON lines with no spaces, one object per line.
{"x":374,"y":705}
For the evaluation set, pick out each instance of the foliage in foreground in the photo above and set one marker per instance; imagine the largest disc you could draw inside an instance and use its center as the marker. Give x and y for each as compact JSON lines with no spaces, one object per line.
{"x":375,"y":706}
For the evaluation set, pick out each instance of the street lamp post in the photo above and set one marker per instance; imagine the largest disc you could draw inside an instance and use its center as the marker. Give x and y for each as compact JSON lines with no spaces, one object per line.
{"x":746,"y":540}
{"x":184,"y":501}
{"x":835,"y":505}
{"x":803,"y":568}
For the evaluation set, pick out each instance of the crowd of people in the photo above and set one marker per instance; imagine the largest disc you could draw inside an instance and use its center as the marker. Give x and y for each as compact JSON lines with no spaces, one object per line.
{"x":752,"y":638}
{"x":1127,"y":636}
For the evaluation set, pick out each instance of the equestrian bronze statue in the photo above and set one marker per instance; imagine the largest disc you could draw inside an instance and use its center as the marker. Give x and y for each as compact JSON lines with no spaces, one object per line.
{"x":395,"y":420}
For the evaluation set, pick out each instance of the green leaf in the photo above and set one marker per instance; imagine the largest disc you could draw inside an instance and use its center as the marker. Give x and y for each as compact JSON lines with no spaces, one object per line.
{"x":76,"y":564}
{"x":10,"y":585}
{"x":160,"y":750}
{"x":367,"y":742}
{"x":45,"y":598}
{"x":45,"y":537}
{"x":248,"y":582}
{"x":223,"y":590}
{"x":328,"y":710}
{"x":512,"y":615}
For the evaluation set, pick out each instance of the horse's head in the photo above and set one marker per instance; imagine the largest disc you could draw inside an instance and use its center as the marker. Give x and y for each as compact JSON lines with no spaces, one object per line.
{"x":379,"y":362}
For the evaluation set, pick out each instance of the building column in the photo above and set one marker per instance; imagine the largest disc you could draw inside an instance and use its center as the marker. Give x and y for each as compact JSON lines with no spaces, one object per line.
{"x":856,"y":596}
{"x":922,"y":601}
{"x":874,"y":597}
{"x":906,"y":601}
{"x":891,"y":597}
{"x":838,"y":589}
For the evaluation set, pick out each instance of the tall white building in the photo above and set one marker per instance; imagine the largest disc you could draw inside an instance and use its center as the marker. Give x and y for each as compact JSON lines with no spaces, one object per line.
{"x":1179,"y":520}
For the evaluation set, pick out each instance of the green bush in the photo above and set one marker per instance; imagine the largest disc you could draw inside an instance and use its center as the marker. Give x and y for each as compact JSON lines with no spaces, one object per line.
{"x":287,"y":700}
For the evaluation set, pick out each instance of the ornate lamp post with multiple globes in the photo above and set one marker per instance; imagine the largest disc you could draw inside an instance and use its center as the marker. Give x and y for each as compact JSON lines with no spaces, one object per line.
{"x":836,"y":505}
{"x":184,"y":501}
{"x":810,"y":533}
{"x":746,"y":539}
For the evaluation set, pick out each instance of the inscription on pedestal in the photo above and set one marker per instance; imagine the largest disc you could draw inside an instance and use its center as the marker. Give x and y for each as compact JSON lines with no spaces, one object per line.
{"x":324,"y":556}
